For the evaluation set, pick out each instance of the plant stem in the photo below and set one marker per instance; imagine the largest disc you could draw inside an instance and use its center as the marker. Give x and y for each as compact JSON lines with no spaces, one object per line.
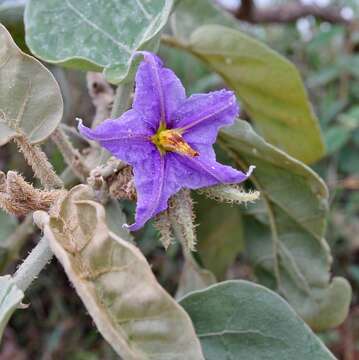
{"x":39,"y":256}
{"x":71,"y":155}
{"x":41,"y":166}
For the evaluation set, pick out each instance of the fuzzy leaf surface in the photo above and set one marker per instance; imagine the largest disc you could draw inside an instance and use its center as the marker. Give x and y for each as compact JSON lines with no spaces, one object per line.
{"x":288,"y":244}
{"x":30,"y":98}
{"x":269,"y":88}
{"x":242,"y":320}
{"x":95,"y":35}
{"x":10,"y":299}
{"x":115,"y":282}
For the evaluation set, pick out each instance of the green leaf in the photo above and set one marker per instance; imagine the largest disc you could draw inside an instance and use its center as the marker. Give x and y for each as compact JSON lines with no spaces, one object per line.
{"x":242,"y":320}
{"x":115,"y":282}
{"x":220,"y":234}
{"x":289,"y":245}
{"x":269,"y":87}
{"x":30,"y":98}
{"x":10,"y":299}
{"x":94,"y":35}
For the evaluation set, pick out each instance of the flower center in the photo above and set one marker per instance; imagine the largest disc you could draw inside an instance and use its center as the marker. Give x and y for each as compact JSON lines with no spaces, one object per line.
{"x":172,"y":140}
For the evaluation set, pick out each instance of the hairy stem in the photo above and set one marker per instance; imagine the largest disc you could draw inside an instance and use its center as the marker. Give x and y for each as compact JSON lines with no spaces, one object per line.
{"x":39,"y":256}
{"x":71,"y":155}
{"x":41,"y":166}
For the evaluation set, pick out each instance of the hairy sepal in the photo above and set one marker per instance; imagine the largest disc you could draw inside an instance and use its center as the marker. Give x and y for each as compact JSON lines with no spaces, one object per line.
{"x":233,"y":194}
{"x":182,"y":219}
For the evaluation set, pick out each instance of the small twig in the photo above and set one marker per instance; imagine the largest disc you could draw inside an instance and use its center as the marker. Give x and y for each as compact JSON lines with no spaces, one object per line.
{"x":71,"y":155}
{"x":39,"y":256}
{"x":41,"y":166}
{"x":287,"y":13}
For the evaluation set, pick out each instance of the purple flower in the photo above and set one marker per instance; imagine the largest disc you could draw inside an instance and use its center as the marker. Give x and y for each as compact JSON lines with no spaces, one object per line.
{"x":167,"y":138}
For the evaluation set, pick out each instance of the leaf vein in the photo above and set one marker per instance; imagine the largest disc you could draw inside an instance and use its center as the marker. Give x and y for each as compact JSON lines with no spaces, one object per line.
{"x":96,"y":27}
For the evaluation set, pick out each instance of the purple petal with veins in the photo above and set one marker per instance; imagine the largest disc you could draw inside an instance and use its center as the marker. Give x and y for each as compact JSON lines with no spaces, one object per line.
{"x":158,"y":90}
{"x":162,"y":118}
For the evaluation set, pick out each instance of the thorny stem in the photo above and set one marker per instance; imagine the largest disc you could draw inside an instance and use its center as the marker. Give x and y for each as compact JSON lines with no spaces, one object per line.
{"x":71,"y":155}
{"x":40,"y":255}
{"x":41,"y":166}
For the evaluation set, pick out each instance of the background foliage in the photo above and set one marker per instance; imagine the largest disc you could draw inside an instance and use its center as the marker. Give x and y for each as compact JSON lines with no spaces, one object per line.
{"x":284,"y":241}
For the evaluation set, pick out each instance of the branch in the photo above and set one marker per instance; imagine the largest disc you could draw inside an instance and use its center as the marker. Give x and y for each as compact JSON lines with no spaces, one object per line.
{"x":288,"y":13}
{"x":71,"y":155}
{"x":28,"y":271}
{"x":39,"y":163}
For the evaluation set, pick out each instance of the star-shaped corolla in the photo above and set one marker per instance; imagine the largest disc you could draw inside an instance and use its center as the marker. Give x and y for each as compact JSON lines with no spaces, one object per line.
{"x":168,"y":138}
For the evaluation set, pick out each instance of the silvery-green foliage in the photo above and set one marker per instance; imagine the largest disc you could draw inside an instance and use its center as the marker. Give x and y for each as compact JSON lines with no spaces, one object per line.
{"x":94,"y":35}
{"x":30,"y":98}
{"x":286,"y":239}
{"x":115,"y":282}
{"x":269,"y":86}
{"x":242,"y":320}
{"x":282,"y":234}
{"x":10,"y":300}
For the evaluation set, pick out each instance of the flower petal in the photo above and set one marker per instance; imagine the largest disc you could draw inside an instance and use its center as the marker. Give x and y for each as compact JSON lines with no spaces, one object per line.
{"x":158,"y":91}
{"x":201,"y":115}
{"x":204,"y":170}
{"x":127,"y":138}
{"x":155,"y":184}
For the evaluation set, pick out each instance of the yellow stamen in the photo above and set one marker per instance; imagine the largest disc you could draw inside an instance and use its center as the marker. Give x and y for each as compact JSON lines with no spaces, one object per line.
{"x":172,"y":140}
